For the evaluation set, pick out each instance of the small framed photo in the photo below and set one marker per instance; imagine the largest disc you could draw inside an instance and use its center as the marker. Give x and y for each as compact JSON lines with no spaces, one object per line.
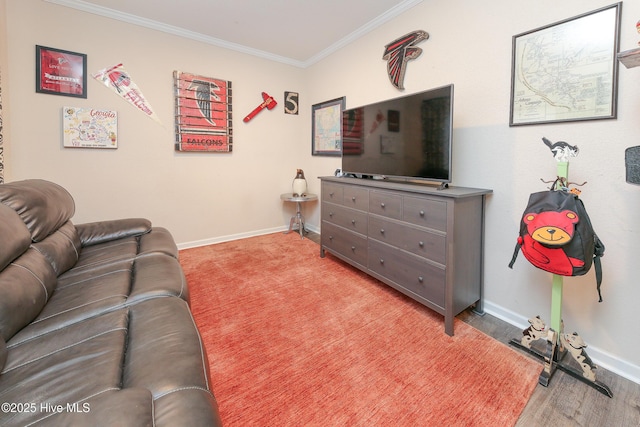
{"x":326,"y":138}
{"x":388,"y":144}
{"x":61,"y":72}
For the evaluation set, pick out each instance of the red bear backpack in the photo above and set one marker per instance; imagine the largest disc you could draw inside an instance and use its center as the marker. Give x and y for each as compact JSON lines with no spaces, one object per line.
{"x":556,"y":235}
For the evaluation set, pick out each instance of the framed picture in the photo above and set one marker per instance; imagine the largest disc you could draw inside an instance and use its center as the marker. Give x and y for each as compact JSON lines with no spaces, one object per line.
{"x":387,"y":144}
{"x":326,"y":128}
{"x":89,"y":128}
{"x":567,"y":71}
{"x":203,"y":113}
{"x":61,"y":72}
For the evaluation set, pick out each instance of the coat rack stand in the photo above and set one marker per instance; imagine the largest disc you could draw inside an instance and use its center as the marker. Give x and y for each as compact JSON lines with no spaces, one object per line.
{"x":558,"y":344}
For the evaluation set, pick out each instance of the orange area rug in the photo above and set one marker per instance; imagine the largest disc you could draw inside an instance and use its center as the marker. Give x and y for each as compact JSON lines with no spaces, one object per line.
{"x":298,"y":340}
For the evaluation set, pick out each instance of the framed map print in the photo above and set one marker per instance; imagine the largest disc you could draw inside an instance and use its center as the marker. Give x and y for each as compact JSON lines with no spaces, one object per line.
{"x":567,"y":71}
{"x":89,"y":128}
{"x":326,"y":128}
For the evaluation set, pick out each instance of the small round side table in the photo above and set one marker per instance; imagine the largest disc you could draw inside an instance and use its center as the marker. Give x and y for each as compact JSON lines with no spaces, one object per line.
{"x":298,"y":218}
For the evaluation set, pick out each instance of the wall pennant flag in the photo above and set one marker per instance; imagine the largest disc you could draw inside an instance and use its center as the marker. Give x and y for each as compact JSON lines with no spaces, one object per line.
{"x":119,"y":80}
{"x":398,"y":52}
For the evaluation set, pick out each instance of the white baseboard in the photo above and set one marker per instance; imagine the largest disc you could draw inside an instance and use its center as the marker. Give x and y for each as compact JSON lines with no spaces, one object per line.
{"x":229,"y":237}
{"x":238,"y":236}
{"x":602,"y":358}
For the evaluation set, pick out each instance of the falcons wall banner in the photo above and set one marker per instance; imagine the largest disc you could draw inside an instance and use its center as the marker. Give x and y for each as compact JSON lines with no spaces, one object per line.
{"x":203,"y":113}
{"x":399,"y":52}
{"x":120,"y":81}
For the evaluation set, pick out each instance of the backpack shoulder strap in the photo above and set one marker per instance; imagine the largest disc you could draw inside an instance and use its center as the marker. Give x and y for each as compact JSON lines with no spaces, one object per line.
{"x":515,"y":252}
{"x":598,"y":253}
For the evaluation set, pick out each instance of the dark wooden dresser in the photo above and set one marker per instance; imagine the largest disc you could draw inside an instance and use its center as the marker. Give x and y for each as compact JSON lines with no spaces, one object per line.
{"x":424,"y":242}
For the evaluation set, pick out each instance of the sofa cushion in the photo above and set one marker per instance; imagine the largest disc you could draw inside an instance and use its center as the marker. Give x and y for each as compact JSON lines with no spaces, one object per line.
{"x":159,"y":240}
{"x":75,"y":302}
{"x":165,"y":353}
{"x":102,"y":257}
{"x":157,"y":275}
{"x":25,"y":287}
{"x":108,"y":276}
{"x":68,"y":366}
{"x":15,"y":236}
{"x":42,"y":205}
{"x":61,"y":248}
{"x":166,"y":356}
{"x":25,"y":352}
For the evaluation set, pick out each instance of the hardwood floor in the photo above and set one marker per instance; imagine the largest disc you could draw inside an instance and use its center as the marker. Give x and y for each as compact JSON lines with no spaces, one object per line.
{"x":566,"y":401}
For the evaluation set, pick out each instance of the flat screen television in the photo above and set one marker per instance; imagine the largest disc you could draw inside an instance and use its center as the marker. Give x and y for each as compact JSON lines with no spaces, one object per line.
{"x":406,"y":138}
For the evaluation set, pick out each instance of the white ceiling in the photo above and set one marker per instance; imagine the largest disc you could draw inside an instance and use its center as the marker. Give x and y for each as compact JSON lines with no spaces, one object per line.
{"x":297,"y":32}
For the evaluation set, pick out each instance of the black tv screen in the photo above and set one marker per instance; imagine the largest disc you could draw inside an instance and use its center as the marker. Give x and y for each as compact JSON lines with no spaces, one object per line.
{"x":404,"y":138}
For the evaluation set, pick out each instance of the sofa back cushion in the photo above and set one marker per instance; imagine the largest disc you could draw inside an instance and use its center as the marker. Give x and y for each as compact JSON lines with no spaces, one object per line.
{"x":42,"y":205}
{"x":25,"y":286}
{"x":61,"y":248}
{"x":15,"y":236}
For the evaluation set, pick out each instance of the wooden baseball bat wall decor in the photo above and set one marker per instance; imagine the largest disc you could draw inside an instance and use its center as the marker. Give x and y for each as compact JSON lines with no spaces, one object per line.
{"x":268,"y":101}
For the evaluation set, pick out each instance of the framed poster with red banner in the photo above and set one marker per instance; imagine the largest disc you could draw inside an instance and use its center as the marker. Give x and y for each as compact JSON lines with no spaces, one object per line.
{"x":61,"y":72}
{"x":203,"y":113}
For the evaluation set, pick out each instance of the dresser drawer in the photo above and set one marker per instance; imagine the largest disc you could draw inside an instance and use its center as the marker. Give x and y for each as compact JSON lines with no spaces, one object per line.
{"x":385,"y":204}
{"x":425,"y":212}
{"x":427,"y":244}
{"x":348,"y":244}
{"x":332,"y":192}
{"x":410,"y":272}
{"x":350,"y":219}
{"x":356,"y":197}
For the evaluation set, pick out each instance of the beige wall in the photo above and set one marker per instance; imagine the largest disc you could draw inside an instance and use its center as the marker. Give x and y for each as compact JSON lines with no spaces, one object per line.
{"x":197,"y":196}
{"x":205,"y":198}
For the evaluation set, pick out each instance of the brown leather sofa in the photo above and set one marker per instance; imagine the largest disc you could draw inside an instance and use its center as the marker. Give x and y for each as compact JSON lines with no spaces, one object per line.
{"x":95,"y":325}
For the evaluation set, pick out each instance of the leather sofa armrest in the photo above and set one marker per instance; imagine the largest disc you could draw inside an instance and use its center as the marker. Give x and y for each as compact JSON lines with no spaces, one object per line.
{"x":92,"y":233}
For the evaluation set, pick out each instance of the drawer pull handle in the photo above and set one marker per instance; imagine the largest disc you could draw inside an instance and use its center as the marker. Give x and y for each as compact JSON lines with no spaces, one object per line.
{"x":330,"y":237}
{"x":381,"y":261}
{"x":353,"y":248}
{"x":382,"y":205}
{"x":353,"y":198}
{"x":420,"y":279}
{"x":353,"y":221}
{"x":382,"y":231}
{"x":421,"y":244}
{"x":421,"y":213}
{"x":331,"y":194}
{"x":331,"y":214}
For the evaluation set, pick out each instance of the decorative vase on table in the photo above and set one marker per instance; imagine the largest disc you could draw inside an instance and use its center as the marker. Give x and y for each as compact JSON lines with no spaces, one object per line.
{"x":299,"y":184}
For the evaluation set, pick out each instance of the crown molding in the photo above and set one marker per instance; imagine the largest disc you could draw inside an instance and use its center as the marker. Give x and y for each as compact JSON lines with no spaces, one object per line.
{"x":170,"y":29}
{"x":181,"y":32}
{"x":365,"y":29}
